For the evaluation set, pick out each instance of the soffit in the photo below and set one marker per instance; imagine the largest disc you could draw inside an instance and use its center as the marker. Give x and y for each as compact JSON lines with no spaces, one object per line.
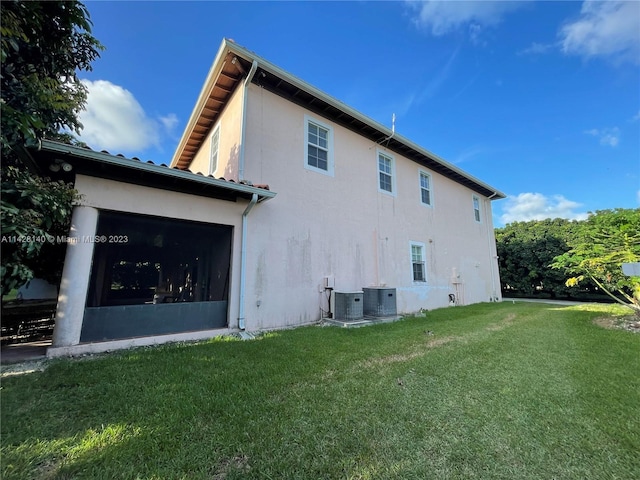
{"x":231,"y":72}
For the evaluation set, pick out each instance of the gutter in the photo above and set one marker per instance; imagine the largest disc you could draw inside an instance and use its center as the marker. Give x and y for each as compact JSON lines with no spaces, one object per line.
{"x":243,"y":124}
{"x":243,"y":260}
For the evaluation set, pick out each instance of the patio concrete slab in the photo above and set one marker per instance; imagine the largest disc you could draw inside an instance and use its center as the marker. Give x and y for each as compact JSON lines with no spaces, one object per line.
{"x":23,"y":352}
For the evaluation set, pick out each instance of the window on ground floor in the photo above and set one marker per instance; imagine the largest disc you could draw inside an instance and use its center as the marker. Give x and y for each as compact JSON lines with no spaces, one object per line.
{"x":418,"y":262}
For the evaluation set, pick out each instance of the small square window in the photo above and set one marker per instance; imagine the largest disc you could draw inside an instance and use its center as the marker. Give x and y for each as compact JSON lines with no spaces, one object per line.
{"x":318,"y":147}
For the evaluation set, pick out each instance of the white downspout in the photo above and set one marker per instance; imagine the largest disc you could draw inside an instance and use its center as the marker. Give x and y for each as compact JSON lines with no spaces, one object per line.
{"x":243,"y":258}
{"x":243,"y":121}
{"x":492,"y":265}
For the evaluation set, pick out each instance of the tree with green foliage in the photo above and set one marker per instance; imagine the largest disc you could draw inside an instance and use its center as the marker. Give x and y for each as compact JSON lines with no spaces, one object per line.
{"x":43,"y":47}
{"x":606,"y":240}
{"x":525,"y":250}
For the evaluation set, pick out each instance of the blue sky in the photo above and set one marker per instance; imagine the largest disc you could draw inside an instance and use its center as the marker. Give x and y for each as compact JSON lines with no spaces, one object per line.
{"x":539,"y":99}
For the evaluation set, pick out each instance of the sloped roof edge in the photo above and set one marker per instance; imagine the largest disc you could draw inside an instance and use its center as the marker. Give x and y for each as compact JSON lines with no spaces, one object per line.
{"x":229,"y":47}
{"x":209,"y":83}
{"x":106,"y":158}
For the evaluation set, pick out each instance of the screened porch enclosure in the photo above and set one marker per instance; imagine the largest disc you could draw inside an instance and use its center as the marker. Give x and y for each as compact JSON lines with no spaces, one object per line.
{"x":153,"y":276}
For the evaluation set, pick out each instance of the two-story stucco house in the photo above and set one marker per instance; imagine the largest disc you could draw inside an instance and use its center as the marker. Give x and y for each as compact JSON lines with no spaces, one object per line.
{"x":276,"y":191}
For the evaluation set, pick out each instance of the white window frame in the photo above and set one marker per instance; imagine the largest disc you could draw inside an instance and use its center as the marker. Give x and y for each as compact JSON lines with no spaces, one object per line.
{"x":421,"y":174}
{"x":213,"y":165}
{"x":423,"y":261}
{"x":330,"y":165}
{"x":392,"y":173}
{"x":477,"y":212}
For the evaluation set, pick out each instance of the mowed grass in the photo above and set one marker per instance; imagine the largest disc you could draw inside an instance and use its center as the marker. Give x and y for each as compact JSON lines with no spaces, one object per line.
{"x":487,"y":391}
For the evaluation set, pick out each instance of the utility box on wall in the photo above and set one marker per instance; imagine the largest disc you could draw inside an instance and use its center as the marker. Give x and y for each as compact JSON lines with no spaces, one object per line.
{"x":348,"y":305}
{"x":380,"y":301}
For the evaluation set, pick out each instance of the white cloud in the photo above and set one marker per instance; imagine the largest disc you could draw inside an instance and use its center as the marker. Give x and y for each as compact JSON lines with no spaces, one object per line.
{"x":636,"y":117}
{"x":609,"y":137}
{"x":441,"y":18}
{"x":114,"y":120}
{"x":430,"y":89}
{"x":604,"y":29}
{"x":536,"y":49}
{"x":169,"y":122}
{"x":475,"y":31}
{"x":536,"y":206}
{"x":470,"y":153}
{"x":437,"y":79}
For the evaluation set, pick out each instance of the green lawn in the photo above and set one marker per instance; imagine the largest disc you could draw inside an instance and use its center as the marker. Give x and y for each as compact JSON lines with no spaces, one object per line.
{"x":497,"y":391}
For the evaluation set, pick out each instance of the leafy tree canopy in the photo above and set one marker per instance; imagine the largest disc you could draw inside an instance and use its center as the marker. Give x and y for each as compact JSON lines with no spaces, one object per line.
{"x":525,"y":250}
{"x":606,"y":240}
{"x":43,"y":45}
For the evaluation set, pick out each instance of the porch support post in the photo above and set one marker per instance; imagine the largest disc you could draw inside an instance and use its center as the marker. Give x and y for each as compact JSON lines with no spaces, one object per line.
{"x":75,"y":277}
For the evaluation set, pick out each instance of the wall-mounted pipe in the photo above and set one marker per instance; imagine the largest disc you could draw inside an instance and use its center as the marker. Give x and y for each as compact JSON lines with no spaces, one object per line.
{"x":243,"y":121}
{"x":492,"y":267}
{"x":243,"y":259}
{"x":393,"y":128}
{"x":393,"y":131}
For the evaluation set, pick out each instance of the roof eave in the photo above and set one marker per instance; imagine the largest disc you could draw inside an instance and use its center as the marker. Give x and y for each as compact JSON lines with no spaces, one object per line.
{"x":153,"y":168}
{"x":384,"y":131}
{"x":229,"y":47}
{"x":209,"y":83}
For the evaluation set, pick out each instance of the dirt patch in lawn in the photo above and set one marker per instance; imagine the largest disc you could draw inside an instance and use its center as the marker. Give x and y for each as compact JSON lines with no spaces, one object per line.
{"x":432,"y":343}
{"x":437,"y":342}
{"x":504,"y":323}
{"x":630,"y":323}
{"x":239,"y":463}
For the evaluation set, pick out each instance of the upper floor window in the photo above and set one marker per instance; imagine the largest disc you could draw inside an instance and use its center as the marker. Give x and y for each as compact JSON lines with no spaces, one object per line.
{"x":215,"y":147}
{"x":318,"y":146}
{"x":476,"y":208}
{"x":386,"y":173}
{"x":425,"y":188}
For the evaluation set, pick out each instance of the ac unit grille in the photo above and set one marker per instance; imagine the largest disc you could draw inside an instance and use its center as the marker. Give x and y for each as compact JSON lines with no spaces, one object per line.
{"x":380,"y":302}
{"x":349,"y":306}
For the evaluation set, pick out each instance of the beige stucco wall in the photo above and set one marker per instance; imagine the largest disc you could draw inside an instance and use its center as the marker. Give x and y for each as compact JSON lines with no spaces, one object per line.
{"x":125,"y":197}
{"x":229,"y":123}
{"x":342,"y":225}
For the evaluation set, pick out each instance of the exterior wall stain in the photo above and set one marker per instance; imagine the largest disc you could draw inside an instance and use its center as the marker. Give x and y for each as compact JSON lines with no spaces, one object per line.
{"x":343,"y":225}
{"x":298,"y":261}
{"x":261,"y":275}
